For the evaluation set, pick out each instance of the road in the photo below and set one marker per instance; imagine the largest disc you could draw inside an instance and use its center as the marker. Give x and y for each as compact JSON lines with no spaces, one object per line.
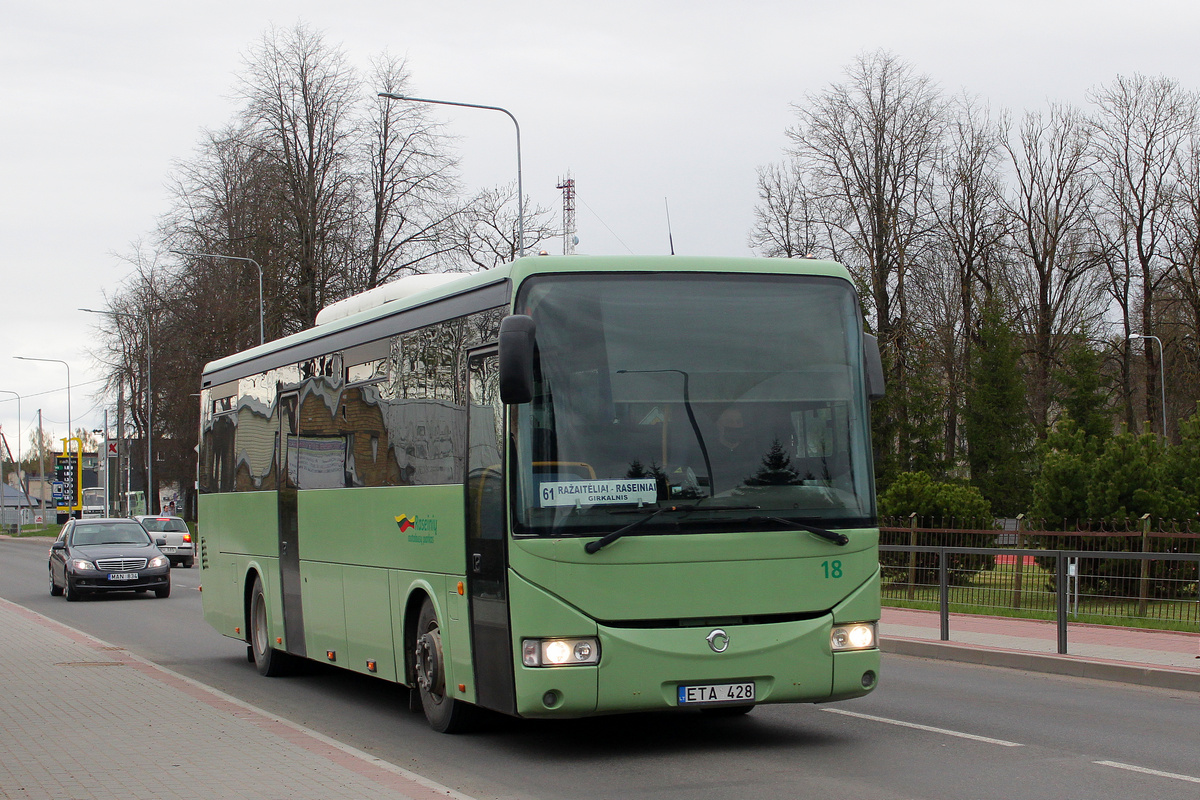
{"x":933,"y":729}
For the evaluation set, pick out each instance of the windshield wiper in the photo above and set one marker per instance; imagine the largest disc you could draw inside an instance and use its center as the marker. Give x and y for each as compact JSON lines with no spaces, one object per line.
{"x":840,"y":539}
{"x":609,"y":538}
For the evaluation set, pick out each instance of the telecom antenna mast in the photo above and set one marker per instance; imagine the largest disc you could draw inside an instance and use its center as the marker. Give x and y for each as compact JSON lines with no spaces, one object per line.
{"x":567,"y":185}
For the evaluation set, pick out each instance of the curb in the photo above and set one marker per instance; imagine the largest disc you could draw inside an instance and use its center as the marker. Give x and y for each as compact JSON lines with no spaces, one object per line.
{"x":1115,"y":671}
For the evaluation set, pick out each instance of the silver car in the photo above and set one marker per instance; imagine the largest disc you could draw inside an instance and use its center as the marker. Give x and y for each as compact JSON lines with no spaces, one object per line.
{"x":178,"y":545}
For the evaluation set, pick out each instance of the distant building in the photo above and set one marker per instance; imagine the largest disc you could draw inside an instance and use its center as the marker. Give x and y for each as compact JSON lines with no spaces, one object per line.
{"x":14,"y":502}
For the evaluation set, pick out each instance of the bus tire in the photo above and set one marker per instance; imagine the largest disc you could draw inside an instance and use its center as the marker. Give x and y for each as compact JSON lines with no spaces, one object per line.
{"x":444,"y":713}
{"x":271,"y":663}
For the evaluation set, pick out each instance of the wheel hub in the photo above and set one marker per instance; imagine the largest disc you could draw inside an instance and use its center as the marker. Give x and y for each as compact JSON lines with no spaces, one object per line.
{"x":430,"y":675}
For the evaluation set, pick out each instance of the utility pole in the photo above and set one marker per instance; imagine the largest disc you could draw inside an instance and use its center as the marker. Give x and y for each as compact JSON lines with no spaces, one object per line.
{"x":41,"y":468}
{"x":122,"y":496}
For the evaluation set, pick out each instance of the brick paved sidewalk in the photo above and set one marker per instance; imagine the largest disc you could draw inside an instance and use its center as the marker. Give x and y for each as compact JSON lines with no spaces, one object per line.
{"x":1157,"y":658}
{"x":82,"y":719}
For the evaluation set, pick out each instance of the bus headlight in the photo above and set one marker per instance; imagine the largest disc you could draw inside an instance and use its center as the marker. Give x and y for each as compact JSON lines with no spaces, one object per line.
{"x":560,"y":652}
{"x":855,"y":636}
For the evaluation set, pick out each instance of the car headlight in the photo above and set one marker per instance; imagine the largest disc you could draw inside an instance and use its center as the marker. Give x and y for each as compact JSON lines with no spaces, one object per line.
{"x":560,"y":652}
{"x":79,"y":563}
{"x":855,"y":636}
{"x":158,"y":561}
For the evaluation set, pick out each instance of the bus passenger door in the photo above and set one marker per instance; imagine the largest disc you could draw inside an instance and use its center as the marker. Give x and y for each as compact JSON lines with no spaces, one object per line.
{"x":289,"y":527}
{"x":487,"y":558}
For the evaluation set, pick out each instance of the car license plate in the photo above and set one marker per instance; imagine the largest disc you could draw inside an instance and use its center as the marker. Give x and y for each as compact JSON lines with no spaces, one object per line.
{"x":123,"y":576}
{"x":717,"y":693}
{"x":167,"y":549}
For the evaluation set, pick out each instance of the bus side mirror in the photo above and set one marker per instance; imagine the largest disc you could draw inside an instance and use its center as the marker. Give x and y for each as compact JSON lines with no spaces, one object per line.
{"x":516,"y":358}
{"x":874,"y":367}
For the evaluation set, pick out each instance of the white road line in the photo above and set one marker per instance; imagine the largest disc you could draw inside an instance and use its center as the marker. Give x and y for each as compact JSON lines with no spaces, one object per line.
{"x":1147,"y":771}
{"x":903,"y":724}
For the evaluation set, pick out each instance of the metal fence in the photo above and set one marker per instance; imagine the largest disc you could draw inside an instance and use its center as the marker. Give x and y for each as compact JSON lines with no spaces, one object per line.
{"x":1121,"y":577}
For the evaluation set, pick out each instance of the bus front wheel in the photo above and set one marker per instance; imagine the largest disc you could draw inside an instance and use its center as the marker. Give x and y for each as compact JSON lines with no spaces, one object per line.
{"x":444,"y":713}
{"x":269,"y":661}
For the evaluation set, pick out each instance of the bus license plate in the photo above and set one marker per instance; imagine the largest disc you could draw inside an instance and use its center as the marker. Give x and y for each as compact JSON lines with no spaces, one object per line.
{"x":123,"y":576}
{"x":717,"y":693}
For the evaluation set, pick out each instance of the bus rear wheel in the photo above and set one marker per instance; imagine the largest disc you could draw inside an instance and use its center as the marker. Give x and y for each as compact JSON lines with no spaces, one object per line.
{"x":270,"y":662}
{"x":444,"y":713}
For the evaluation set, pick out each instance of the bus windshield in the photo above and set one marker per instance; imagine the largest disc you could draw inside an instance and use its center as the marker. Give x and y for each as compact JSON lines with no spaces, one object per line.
{"x":736,"y":397}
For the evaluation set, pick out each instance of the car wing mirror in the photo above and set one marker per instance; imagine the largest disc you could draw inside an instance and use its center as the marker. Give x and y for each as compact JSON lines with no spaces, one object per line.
{"x":516,"y":358}
{"x":874,"y":368}
{"x":59,"y":546}
{"x":160,"y":542}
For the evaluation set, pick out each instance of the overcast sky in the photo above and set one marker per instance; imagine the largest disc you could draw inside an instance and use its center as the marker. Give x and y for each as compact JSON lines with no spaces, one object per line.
{"x":644,"y":103}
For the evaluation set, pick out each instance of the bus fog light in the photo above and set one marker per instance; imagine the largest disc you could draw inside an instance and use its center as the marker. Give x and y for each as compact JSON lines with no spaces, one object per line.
{"x":560,"y":652}
{"x":855,"y":636}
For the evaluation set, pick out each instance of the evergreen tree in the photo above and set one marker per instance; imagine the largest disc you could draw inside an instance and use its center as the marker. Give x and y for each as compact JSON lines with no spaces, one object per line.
{"x":995,"y":417}
{"x":1083,"y":394}
{"x":1067,"y":463}
{"x":1127,"y":478}
{"x":1181,"y":473}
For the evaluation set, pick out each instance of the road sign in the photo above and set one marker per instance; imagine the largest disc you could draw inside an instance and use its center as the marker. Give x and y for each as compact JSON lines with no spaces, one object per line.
{"x":112,"y":450}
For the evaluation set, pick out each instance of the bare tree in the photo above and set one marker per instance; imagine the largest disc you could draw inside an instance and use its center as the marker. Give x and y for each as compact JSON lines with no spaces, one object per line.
{"x":300,"y":98}
{"x":227,"y":200}
{"x":1181,"y":295}
{"x":869,"y":147}
{"x":971,"y":238}
{"x":1140,"y":130}
{"x":412,"y":184}
{"x":787,"y":220}
{"x":1055,"y":280}
{"x":487,"y":230}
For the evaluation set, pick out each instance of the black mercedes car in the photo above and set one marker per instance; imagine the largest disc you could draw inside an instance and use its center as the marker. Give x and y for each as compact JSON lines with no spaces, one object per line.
{"x":106,"y":555}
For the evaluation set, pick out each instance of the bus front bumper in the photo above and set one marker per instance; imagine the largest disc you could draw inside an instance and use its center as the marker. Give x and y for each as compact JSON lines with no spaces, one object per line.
{"x":645,"y":669}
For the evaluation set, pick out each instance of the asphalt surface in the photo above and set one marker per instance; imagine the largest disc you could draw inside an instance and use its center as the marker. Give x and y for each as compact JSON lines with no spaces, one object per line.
{"x":93,"y":689}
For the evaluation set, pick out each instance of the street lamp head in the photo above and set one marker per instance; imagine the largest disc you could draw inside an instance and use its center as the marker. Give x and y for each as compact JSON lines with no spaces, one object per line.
{"x":1135,"y":336}
{"x":391,"y":96}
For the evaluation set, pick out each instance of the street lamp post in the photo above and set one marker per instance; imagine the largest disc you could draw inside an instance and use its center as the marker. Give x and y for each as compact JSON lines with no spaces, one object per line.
{"x":70,"y":433}
{"x":1162,"y":382}
{"x":14,"y":394}
{"x":520,"y":189}
{"x":149,"y":406}
{"x":261,"y":337}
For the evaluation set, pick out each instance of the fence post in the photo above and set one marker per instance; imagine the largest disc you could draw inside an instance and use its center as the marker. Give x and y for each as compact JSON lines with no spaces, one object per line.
{"x":943,"y":594}
{"x":912,"y":555}
{"x":1144,"y":582}
{"x":1060,"y":583}
{"x":1018,"y":563}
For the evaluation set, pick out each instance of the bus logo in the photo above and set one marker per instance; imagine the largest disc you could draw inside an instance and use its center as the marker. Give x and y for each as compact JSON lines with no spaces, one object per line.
{"x":718,"y":640}
{"x":420,"y":530}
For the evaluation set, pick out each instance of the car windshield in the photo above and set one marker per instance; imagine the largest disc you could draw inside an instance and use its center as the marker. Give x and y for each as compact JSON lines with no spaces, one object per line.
{"x":109,"y":533}
{"x":740,"y":396}
{"x":165,"y":525}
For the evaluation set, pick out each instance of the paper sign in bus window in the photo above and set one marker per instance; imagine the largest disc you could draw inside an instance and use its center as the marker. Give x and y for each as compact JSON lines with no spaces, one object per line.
{"x":596,"y":493}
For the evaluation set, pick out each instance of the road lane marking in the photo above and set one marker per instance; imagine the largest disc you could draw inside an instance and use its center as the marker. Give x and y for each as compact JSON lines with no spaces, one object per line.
{"x":929,"y":728}
{"x":1148,"y":771}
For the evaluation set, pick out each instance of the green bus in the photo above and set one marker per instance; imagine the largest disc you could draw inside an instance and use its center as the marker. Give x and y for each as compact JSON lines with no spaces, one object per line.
{"x":561,"y":487}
